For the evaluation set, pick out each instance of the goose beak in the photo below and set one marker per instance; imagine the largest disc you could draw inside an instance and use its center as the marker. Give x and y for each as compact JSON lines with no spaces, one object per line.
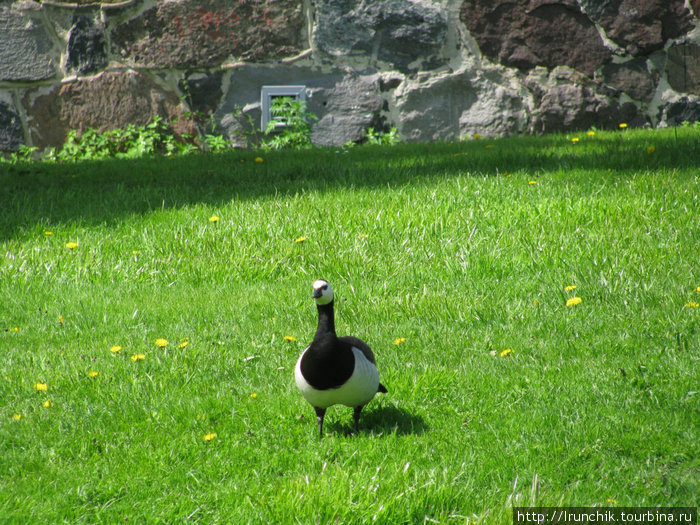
{"x":317,"y":294}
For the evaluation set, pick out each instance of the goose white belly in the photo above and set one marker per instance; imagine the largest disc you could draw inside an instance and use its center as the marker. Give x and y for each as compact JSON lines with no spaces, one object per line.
{"x":356,"y":391}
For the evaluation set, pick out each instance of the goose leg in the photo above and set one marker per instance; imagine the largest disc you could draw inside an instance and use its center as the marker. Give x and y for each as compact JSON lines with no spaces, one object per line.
{"x":356,"y":417}
{"x":320,"y":413}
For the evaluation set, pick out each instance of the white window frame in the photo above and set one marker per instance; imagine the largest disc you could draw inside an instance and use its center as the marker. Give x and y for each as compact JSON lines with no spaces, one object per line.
{"x":267,"y":93}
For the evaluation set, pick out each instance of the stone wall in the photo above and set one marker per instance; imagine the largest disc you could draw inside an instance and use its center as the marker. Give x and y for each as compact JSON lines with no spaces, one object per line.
{"x":435,"y":69}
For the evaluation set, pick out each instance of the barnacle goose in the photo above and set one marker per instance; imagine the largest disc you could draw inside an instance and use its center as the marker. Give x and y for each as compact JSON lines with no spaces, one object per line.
{"x":335,"y":370}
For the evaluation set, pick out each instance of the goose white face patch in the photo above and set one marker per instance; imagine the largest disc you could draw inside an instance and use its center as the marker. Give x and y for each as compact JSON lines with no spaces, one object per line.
{"x":323,"y":293}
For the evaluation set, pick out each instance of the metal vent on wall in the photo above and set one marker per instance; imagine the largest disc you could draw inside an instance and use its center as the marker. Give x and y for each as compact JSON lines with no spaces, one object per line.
{"x":268,"y":93}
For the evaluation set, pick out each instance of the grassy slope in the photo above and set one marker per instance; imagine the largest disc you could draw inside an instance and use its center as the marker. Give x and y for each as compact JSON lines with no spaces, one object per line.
{"x":449,"y":246}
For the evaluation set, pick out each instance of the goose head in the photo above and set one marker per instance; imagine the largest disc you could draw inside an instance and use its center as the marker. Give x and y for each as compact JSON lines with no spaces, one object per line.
{"x":323,"y":293}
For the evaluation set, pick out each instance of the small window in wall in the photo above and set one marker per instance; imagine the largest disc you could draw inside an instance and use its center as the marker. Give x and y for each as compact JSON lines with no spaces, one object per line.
{"x":269,"y":93}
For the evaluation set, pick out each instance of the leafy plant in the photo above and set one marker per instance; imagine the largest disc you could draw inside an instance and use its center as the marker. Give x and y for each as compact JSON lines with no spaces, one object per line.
{"x":290,"y":127}
{"x":379,"y":137}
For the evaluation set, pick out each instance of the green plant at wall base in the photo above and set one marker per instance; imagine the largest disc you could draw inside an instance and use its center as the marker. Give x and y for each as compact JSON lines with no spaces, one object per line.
{"x":295,"y":133}
{"x":379,"y":137}
{"x":129,"y":142}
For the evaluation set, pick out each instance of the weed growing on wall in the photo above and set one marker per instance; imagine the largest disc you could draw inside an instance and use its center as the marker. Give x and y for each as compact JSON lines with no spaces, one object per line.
{"x":290,"y":127}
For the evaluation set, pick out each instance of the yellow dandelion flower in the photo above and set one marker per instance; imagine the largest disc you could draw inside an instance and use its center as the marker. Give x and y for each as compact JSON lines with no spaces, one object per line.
{"x":363,"y":236}
{"x":573,"y":301}
{"x":591,"y":133}
{"x":536,"y":302}
{"x":213,"y":218}
{"x":209,"y":437}
{"x":476,"y":136}
{"x":92,"y":374}
{"x":506,"y":352}
{"x":72,"y":245}
{"x":253,"y":395}
{"x":489,"y":146}
{"x":60,"y":319}
{"x":138,"y":357}
{"x":300,"y":239}
{"x":259,"y":160}
{"x":161,"y":343}
{"x":135,"y":252}
{"x":183,"y":343}
{"x":399,"y":340}
{"x":651,"y":149}
{"x":532,"y":182}
{"x":115,"y":349}
{"x":570,"y":287}
{"x":16,"y":417}
{"x":697,"y":289}
{"x":48,"y":233}
{"x":46,"y":404}
{"x":692,"y":304}
{"x":290,"y":338}
{"x":575,"y":140}
{"x":41,"y":387}
{"x":610,"y":500}
{"x":622,"y":125}
{"x":14,"y":329}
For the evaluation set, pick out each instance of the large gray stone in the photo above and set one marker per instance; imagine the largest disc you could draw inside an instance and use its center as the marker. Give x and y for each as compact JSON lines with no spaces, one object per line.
{"x":450,"y":106}
{"x":684,"y":109}
{"x":640,"y":26}
{"x":406,"y":34}
{"x":26,"y":49}
{"x":346,"y":104}
{"x":87,"y":47}
{"x":194,"y":34}
{"x":11,"y":134}
{"x":633,"y":78}
{"x":535,"y":33}
{"x":565,"y":100}
{"x":683,"y":68}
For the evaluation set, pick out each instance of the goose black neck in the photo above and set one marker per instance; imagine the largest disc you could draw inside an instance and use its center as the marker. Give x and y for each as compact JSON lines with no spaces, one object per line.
{"x":326,"y":321}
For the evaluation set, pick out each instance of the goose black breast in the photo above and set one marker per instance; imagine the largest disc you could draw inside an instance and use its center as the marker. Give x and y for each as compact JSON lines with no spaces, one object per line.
{"x":324,"y":370}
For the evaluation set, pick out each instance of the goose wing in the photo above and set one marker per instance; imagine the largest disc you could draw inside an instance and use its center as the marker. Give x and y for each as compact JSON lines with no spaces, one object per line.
{"x":360,"y":345}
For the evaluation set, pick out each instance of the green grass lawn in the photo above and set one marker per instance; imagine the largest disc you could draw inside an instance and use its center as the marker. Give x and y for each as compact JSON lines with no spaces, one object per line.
{"x":451,"y":260}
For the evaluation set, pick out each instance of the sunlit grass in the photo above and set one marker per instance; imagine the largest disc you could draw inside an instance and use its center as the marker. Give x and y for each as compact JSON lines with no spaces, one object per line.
{"x":539,"y":341}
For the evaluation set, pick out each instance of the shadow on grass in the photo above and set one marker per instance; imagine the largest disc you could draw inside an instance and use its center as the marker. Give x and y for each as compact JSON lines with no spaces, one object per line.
{"x":382,"y":419}
{"x":45,"y":195}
